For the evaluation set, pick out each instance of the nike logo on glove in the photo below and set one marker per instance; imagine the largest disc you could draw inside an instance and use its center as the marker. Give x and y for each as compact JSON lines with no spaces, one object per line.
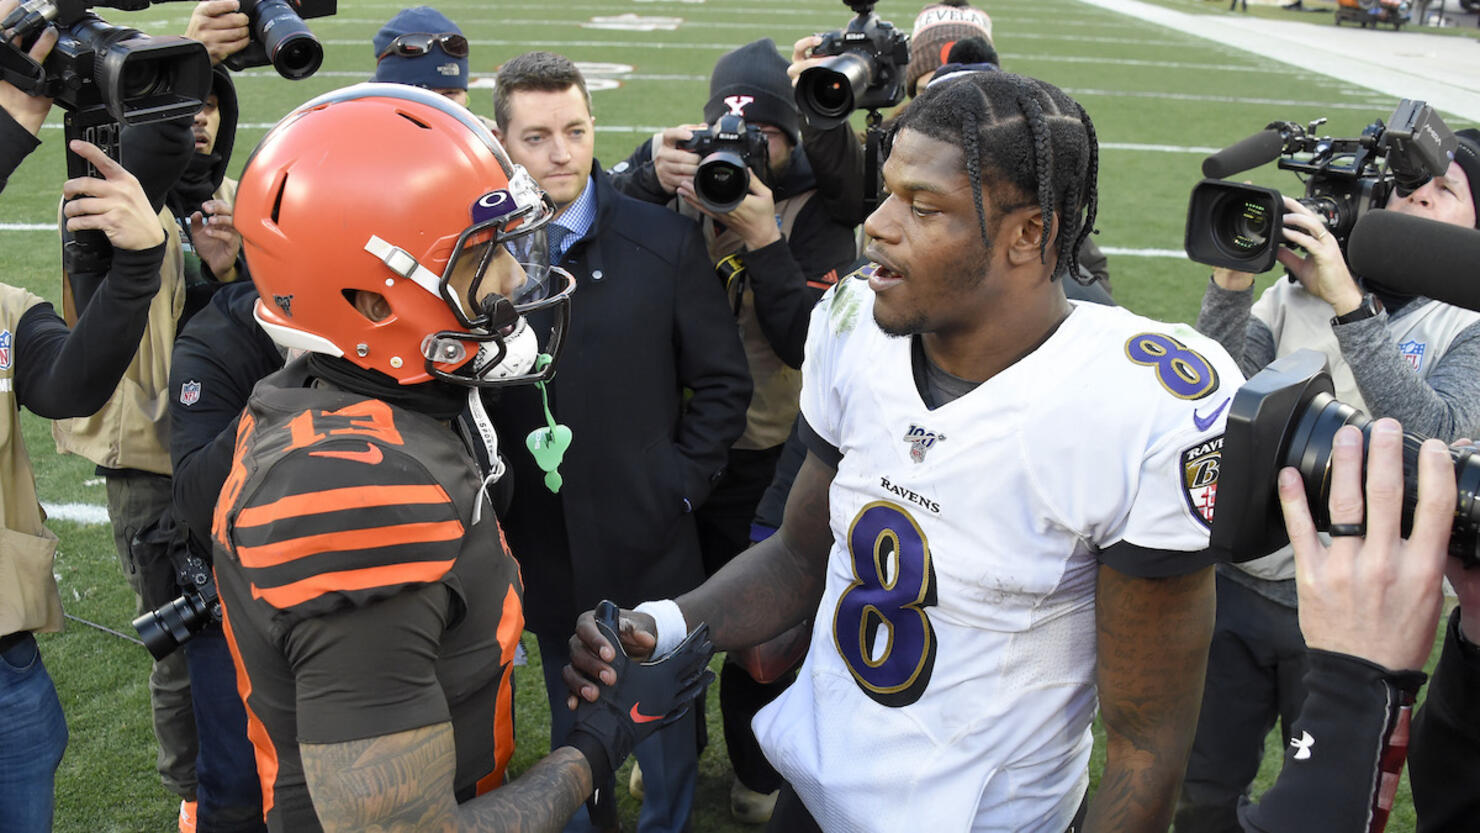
{"x":370,"y":455}
{"x":639,"y":717}
{"x":1204,"y":423}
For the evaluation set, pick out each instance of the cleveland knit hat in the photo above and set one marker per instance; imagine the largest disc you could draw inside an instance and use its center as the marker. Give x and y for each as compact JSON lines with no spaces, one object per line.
{"x":937,"y":28}
{"x":751,"y":82}
{"x":1467,"y":155}
{"x":436,"y":70}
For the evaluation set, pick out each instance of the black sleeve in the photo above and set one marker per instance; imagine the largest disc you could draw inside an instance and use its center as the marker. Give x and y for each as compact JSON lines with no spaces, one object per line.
{"x":636,"y":177}
{"x":1144,"y":562}
{"x":72,"y":373}
{"x":157,"y":155}
{"x":711,"y":363}
{"x":222,"y":360}
{"x":1346,"y":749}
{"x":789,"y":276}
{"x":813,"y":442}
{"x":837,"y":161}
{"x":16,"y":143}
{"x":1445,"y":747}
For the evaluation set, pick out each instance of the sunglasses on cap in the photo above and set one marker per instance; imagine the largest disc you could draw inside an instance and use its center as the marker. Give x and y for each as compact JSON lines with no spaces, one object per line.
{"x":417,"y":44}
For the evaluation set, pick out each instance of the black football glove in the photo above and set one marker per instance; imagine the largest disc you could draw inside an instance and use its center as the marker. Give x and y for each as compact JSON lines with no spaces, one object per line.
{"x":646,"y":697}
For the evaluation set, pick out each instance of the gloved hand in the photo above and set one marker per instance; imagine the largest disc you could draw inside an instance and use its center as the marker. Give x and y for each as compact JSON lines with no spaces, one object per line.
{"x":646,"y":697}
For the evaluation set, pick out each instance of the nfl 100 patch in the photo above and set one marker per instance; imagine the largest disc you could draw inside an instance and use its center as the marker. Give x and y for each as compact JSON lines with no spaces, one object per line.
{"x":921,"y":441}
{"x":1200,"y":465}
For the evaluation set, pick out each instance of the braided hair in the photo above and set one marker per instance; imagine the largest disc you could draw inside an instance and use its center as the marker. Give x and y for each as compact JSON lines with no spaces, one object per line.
{"x":1021,"y":133}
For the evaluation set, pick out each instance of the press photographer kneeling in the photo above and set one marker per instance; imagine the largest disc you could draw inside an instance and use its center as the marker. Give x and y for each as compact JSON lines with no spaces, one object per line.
{"x":1391,"y":354}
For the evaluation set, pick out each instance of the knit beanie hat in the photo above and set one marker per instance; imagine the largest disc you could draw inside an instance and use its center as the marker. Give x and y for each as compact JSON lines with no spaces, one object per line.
{"x":937,"y":28}
{"x":1467,"y":155}
{"x":751,"y":82}
{"x":436,"y":70}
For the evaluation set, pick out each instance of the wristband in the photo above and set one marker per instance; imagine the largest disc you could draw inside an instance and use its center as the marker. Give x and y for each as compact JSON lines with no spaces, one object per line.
{"x":671,"y":627}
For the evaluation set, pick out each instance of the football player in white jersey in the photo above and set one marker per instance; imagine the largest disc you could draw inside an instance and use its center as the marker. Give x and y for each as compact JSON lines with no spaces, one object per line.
{"x":1003,"y":511}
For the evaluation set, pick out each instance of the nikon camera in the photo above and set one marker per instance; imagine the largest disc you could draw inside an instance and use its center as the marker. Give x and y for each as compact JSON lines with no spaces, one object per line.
{"x":865,"y":70}
{"x":730,"y":150}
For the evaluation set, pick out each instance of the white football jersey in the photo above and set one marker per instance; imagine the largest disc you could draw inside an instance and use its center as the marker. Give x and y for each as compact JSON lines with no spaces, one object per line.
{"x":950,"y":681}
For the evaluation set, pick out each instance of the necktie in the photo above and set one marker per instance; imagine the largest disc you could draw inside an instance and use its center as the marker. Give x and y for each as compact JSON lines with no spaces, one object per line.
{"x":555,"y":236}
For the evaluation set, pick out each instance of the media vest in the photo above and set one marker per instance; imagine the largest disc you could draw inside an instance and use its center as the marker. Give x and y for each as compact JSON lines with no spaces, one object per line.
{"x":28,"y":589}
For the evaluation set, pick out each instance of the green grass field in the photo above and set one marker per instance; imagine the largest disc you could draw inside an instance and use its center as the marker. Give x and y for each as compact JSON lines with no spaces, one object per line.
{"x":1161,"y":100}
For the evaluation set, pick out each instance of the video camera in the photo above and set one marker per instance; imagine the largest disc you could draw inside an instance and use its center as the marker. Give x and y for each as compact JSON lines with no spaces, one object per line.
{"x":1239,"y":226}
{"x":134,"y":77}
{"x":731,"y":150}
{"x":865,"y":70}
{"x":1287,"y":416}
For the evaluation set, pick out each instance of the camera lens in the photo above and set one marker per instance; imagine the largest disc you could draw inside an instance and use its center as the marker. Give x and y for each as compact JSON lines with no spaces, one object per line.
{"x":298,"y":57}
{"x":722,"y":181}
{"x":140,"y":78}
{"x":826,"y":93}
{"x":1310,"y":453}
{"x":172,"y":625}
{"x":1241,"y":226}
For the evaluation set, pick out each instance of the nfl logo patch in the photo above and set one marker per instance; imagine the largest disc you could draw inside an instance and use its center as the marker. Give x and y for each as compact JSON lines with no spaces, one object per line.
{"x":189,"y":393}
{"x":5,"y":349}
{"x":1200,"y":478}
{"x":1413,"y":352}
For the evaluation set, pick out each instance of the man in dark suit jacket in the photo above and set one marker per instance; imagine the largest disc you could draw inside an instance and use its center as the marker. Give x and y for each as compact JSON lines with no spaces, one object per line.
{"x":648,"y":321}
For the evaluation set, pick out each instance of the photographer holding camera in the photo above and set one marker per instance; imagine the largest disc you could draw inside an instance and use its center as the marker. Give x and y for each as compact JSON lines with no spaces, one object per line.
{"x":1368,"y":606}
{"x":1410,"y":358}
{"x":54,"y":373}
{"x":776,"y":250}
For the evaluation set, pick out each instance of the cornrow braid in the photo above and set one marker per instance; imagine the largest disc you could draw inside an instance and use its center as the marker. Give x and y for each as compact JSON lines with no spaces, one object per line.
{"x":1026,"y":140}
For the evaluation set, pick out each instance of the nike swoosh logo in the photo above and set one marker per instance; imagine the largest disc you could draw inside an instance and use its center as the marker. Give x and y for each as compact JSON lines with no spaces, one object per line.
{"x":370,"y":455}
{"x":639,"y":717}
{"x":1204,"y":423}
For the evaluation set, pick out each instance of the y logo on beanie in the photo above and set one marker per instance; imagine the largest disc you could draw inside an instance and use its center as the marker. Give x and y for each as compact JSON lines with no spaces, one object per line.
{"x":737,"y":103}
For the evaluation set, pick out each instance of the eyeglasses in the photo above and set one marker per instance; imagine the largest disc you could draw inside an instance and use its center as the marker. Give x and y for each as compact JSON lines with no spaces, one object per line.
{"x":417,"y":44}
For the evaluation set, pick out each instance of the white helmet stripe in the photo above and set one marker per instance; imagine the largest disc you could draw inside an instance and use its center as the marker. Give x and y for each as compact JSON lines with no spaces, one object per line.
{"x":401,"y":262}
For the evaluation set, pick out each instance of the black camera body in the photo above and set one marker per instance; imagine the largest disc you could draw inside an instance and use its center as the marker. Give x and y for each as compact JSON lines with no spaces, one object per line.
{"x":135,"y":78}
{"x":864,"y":70}
{"x":161,"y":551}
{"x":1239,"y":226}
{"x":281,"y":38}
{"x":1286,"y":415}
{"x":731,"y":151}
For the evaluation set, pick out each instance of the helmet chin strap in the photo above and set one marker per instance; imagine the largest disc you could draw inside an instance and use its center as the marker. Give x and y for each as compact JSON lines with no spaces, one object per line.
{"x":488,"y":438}
{"x":548,"y":444}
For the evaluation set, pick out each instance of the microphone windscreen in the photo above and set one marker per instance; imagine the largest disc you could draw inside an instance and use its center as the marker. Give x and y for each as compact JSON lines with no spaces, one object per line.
{"x":1416,"y":256}
{"x":1262,"y":147}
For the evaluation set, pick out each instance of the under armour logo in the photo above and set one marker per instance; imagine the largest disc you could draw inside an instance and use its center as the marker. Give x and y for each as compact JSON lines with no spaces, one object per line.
{"x":1302,"y":746}
{"x":737,"y":103}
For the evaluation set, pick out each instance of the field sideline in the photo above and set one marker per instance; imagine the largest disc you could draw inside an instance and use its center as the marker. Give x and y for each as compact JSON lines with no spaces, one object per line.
{"x":1161,"y":100}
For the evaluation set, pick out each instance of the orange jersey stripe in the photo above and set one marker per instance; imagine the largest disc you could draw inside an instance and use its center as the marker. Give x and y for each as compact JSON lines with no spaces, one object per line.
{"x":379,"y":537}
{"x":334,"y":500}
{"x":312,"y":587}
{"x":510,"y":625}
{"x":265,"y":752}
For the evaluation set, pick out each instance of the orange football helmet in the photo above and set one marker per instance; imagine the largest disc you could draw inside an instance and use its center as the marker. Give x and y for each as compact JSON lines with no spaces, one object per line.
{"x":395,"y":190}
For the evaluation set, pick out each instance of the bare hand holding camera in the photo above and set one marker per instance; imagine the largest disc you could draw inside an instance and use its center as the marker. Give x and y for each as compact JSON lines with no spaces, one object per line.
{"x":221,"y":27}
{"x":1373,"y":595}
{"x":114,"y":204}
{"x":672,"y":164}
{"x":29,"y":111}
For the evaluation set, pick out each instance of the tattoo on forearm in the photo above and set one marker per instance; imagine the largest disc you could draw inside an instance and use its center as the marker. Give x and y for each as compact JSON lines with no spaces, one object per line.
{"x":404,"y":782}
{"x":1153,"y":639}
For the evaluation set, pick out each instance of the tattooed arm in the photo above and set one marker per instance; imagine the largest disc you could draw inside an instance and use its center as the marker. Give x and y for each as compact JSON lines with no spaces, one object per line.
{"x":1152,"y":655}
{"x":404,"y":782}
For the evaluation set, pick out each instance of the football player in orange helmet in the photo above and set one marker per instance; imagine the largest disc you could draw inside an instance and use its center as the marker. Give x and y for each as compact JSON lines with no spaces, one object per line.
{"x":370,"y":602}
